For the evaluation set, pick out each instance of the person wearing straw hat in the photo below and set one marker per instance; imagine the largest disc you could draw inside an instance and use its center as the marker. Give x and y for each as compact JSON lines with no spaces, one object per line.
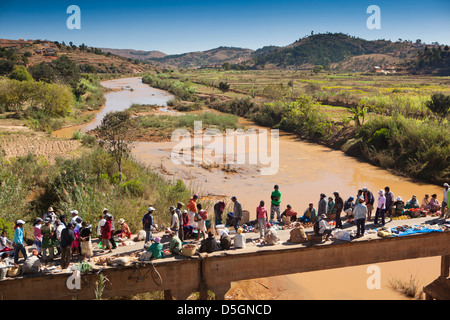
{"x":323,"y":227}
{"x":50,"y":214}
{"x":18,"y":242}
{"x":125,"y":232}
{"x":399,"y":206}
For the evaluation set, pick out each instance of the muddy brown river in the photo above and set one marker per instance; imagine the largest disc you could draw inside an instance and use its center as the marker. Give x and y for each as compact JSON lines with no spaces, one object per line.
{"x":305,"y":170}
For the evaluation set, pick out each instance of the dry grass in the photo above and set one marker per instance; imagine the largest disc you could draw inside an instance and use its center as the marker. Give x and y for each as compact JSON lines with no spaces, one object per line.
{"x":410,"y":288}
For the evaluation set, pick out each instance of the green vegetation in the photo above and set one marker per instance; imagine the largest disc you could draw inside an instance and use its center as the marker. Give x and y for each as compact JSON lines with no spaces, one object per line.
{"x":416,"y":148}
{"x":88,"y":184}
{"x":49,"y":94}
{"x":397,"y":122}
{"x":435,"y":60}
{"x":182,"y":90}
{"x":163,"y":125}
{"x":115,"y":134}
{"x":323,"y":50}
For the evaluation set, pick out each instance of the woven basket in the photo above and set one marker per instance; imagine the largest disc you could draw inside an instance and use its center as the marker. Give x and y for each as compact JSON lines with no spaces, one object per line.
{"x":189,"y":250}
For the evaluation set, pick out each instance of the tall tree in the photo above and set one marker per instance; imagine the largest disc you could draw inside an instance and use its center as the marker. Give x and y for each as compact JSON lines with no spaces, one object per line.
{"x":116,"y":134}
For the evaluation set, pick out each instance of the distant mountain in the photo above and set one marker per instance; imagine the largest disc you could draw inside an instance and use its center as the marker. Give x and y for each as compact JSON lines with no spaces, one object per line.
{"x":135,"y":54}
{"x":336,"y":50}
{"x":210,"y":58}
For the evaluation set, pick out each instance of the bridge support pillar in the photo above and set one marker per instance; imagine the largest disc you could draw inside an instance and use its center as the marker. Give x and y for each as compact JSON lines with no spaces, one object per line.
{"x":445,"y":266}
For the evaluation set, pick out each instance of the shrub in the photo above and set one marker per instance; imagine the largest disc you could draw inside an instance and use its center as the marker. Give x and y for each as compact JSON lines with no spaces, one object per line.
{"x":132,"y":187}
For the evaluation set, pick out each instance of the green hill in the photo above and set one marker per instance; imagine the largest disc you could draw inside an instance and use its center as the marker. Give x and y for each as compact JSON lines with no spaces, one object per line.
{"x":331,"y":48}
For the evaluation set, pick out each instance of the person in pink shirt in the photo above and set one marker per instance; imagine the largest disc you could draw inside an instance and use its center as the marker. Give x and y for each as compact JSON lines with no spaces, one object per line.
{"x":37,"y":235}
{"x":261,"y":216}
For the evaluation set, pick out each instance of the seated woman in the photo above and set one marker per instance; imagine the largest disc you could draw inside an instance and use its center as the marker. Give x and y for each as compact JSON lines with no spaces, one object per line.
{"x":399,"y":207}
{"x":156,"y":249}
{"x":310,"y":214}
{"x":291,"y":214}
{"x":425,"y":205}
{"x":125,"y":232}
{"x":412,"y":203}
{"x":435,"y":205}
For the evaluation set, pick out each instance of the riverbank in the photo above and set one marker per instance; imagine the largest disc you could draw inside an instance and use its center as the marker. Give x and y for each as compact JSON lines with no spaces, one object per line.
{"x":399,"y":141}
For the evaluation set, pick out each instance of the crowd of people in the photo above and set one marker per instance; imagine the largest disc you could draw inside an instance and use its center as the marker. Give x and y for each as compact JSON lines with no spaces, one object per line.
{"x":66,"y":238}
{"x":61,"y":236}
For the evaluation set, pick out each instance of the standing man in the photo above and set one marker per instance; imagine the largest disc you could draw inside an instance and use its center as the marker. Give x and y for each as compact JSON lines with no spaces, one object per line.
{"x":237,"y":213}
{"x":147,"y":224}
{"x":219,"y":207}
{"x":18,"y":242}
{"x":369,"y":200}
{"x":180,"y":219}
{"x":360,"y":217}
{"x":446,"y":192}
{"x":175,"y":222}
{"x":67,"y":237}
{"x":275,"y":204}
{"x":338,"y":206}
{"x":390,"y":199}
{"x":323,"y":205}
{"x":381,"y":208}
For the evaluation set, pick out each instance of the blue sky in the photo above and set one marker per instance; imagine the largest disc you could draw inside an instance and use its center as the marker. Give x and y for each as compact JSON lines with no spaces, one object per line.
{"x":193,"y":25}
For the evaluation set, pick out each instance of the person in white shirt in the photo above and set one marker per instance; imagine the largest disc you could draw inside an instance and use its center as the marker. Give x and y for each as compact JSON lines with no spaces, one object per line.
{"x":324,"y":227}
{"x":74,"y":216}
{"x":239,"y":239}
{"x":381,"y":208}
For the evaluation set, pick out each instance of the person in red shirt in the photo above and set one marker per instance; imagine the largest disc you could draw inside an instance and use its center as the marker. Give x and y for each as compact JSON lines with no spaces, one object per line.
{"x":261,"y":216}
{"x":106,"y":234}
{"x":290,"y":213}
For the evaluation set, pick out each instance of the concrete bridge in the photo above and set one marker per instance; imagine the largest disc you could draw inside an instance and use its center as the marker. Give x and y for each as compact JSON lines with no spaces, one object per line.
{"x":181,"y":276}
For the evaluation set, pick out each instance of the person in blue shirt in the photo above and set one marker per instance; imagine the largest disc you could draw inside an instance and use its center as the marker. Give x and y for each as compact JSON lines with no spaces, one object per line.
{"x":18,"y":241}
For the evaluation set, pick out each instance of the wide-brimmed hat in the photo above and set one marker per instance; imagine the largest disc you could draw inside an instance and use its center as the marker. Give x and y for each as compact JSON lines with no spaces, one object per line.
{"x":380,"y":191}
{"x":172,"y":208}
{"x":399,"y":198}
{"x":20,"y":222}
{"x":446,"y":185}
{"x":180,"y":204}
{"x":121,"y":221}
{"x":74,"y":212}
{"x":50,"y":209}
